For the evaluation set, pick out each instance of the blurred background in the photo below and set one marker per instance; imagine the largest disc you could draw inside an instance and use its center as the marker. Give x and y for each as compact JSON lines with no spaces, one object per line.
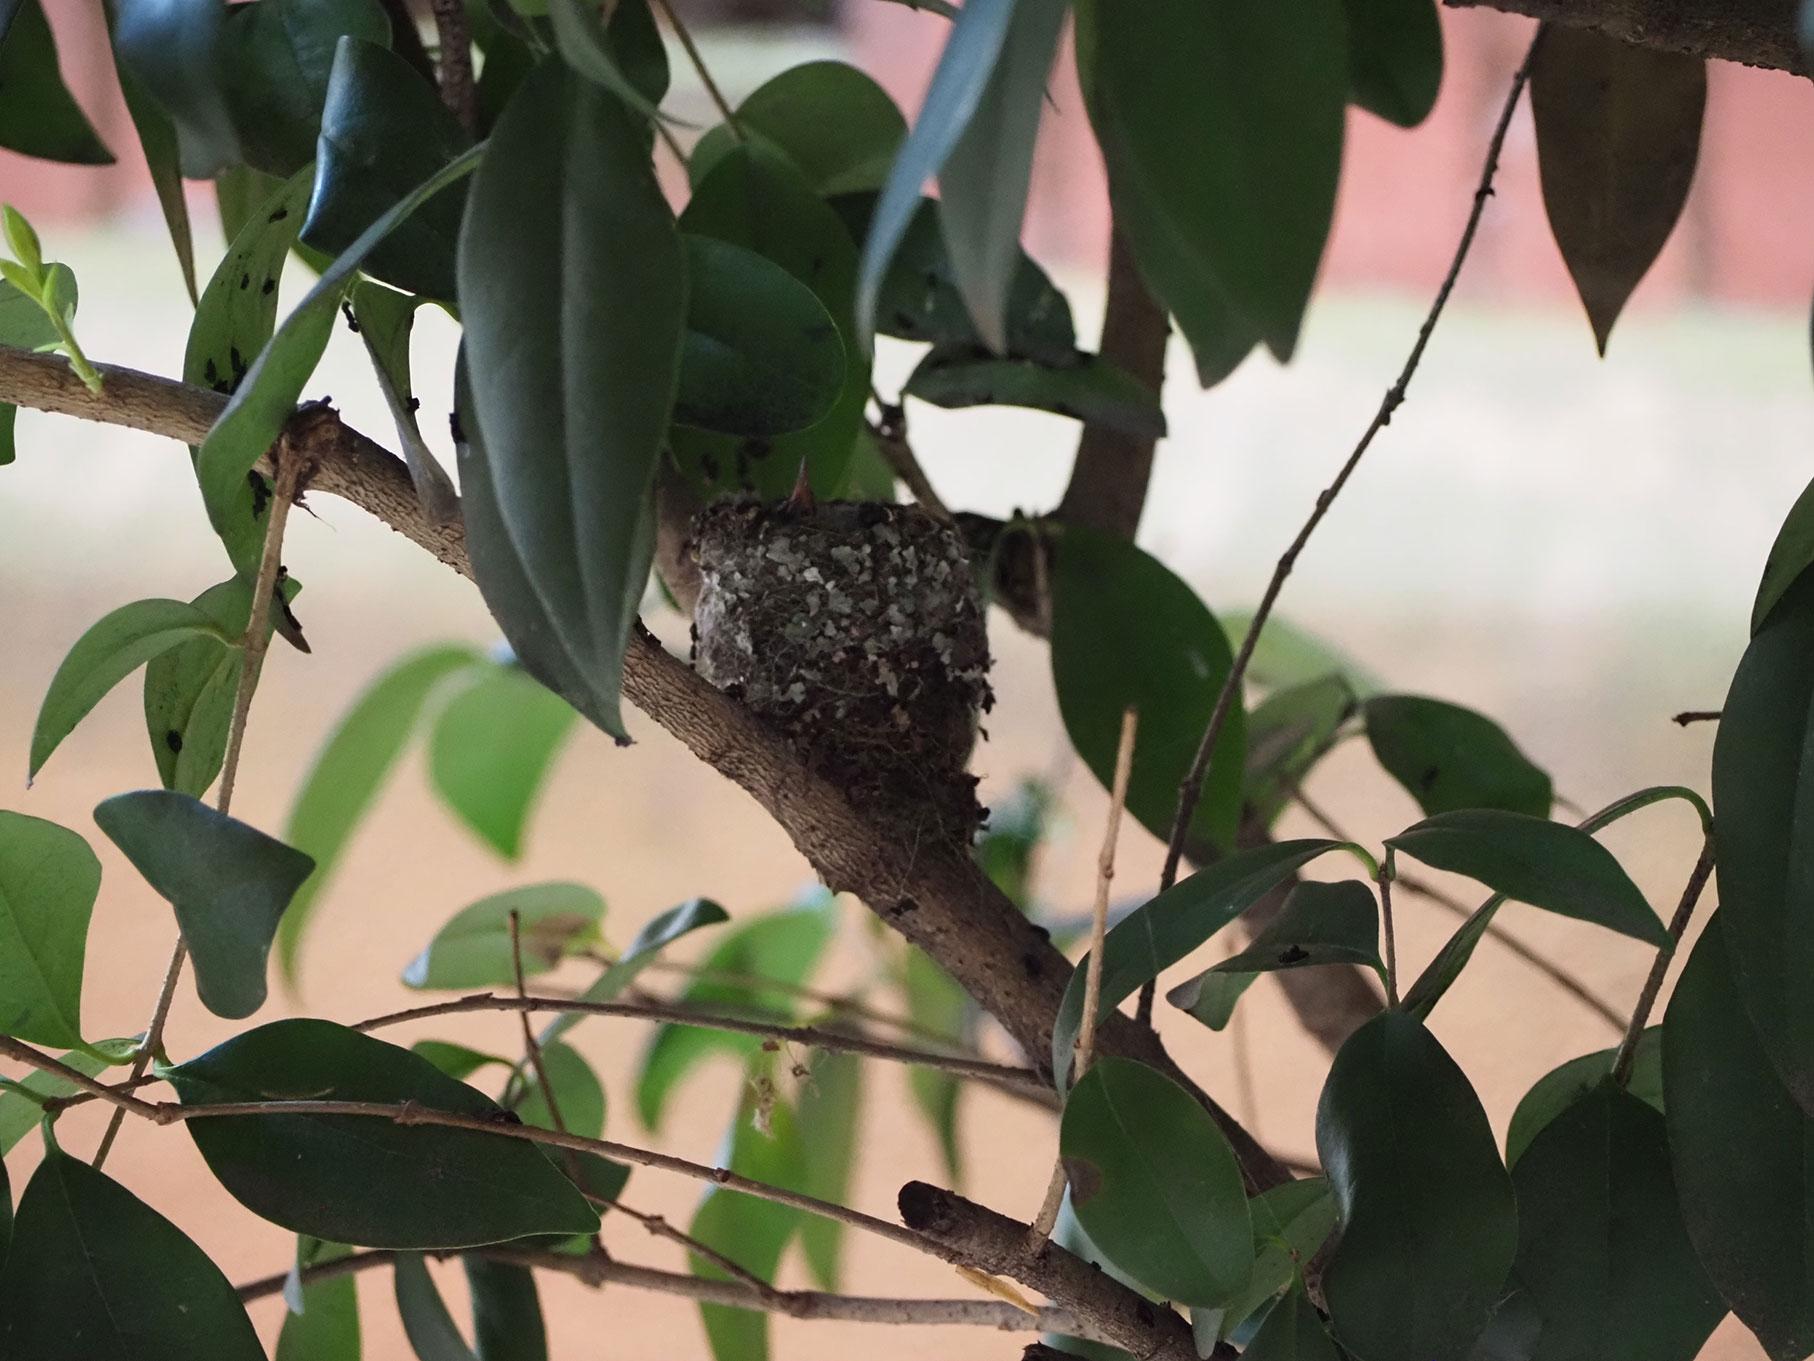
{"x":1568,"y":544}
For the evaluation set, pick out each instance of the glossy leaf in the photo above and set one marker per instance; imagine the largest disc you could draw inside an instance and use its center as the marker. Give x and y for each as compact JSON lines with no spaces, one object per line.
{"x":573,"y":400}
{"x":607,"y":55}
{"x":1166,"y":928}
{"x":1602,"y":1251}
{"x":1394,"y":58}
{"x":163,"y":157}
{"x":828,"y":1114}
{"x":577,"y":1094}
{"x":958,"y":84}
{"x":106,"y":1275}
{"x":326,"y":1328}
{"x":20,"y":1114}
{"x":38,"y":115}
{"x":1089,"y":389}
{"x":1226,"y":123}
{"x":1742,"y":1152}
{"x":830,"y":119}
{"x":660,"y":932}
{"x":1287,"y":734}
{"x":1211,"y":996}
{"x":491,"y":751}
{"x":171,"y":47}
{"x":506,"y":1311}
{"x":781,"y":947}
{"x":1448,"y":757}
{"x":1562,"y":1087}
{"x":1546,"y":864}
{"x":48,"y":882}
{"x":432,"y":1333}
{"x":111,"y":650}
{"x":761,"y":356}
{"x":1293,"y":1331}
{"x":1429,"y":1225}
{"x":1126,"y":630}
{"x":384,"y":130}
{"x":385,"y":319}
{"x":473,"y":949}
{"x":1291,"y":1222}
{"x":983,"y":183}
{"x":1789,"y":557}
{"x":347,"y":774}
{"x":359,"y":1179}
{"x":1319,"y":924}
{"x":1155,"y":1184}
{"x":1618,"y":133}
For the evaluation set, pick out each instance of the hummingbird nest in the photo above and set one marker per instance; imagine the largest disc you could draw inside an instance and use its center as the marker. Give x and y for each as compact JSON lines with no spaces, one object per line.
{"x":855,"y":628}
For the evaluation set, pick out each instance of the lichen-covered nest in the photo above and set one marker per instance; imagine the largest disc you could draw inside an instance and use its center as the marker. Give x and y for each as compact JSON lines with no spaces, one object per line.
{"x":855,"y":628}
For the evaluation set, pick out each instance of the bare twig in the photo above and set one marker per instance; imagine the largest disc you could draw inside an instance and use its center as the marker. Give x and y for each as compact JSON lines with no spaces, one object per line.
{"x":1688,"y":716}
{"x":1678,"y":926}
{"x":660,"y":1227}
{"x":458,"y":92}
{"x":838,"y":1003}
{"x":45,"y":1063}
{"x":889,"y":430}
{"x":705,"y":75}
{"x":1388,"y":870}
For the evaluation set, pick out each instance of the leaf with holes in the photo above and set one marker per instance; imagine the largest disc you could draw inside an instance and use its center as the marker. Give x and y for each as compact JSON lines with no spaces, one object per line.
{"x":473,"y":949}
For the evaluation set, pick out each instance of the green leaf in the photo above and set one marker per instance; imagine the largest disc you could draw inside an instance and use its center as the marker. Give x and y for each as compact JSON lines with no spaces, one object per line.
{"x":506,"y":1311}
{"x":6,"y":1214}
{"x":958,"y":84}
{"x":48,"y":882}
{"x":1562,"y":1087}
{"x":1743,"y":1153}
{"x":983,"y":183}
{"x":1448,"y":757}
{"x":9,"y":414}
{"x":829,"y":118}
{"x":172,"y":49}
{"x":1287,"y":655}
{"x":1394,"y":58}
{"x":456,"y":1060}
{"x":228,"y":882}
{"x":473,"y":949}
{"x":1224,"y":123}
{"x":1293,"y":1331}
{"x":1618,"y":133}
{"x":108,"y":1276}
{"x":830,"y":1105}
{"x":38,"y":115}
{"x":660,"y":932}
{"x":1155,"y":1184}
{"x":573,"y":400}
{"x":385,"y":319}
{"x":1320,"y":923}
{"x":491,"y":751}
{"x":111,"y":650}
{"x":384,"y":130}
{"x":360,"y":1179}
{"x":781,"y":947}
{"x":23,"y":320}
{"x":938,"y":1002}
{"x":1428,"y":1221}
{"x":1602,"y":1251}
{"x":163,"y":157}
{"x":1789,"y":556}
{"x":1290,"y":1224}
{"x":1287,"y":734}
{"x":634,"y":67}
{"x":576,"y":1092}
{"x":1210,"y":997}
{"x":1546,"y":864}
{"x":347,"y":774}
{"x":1088,"y":389}
{"x":1126,"y":630}
{"x":761,"y":355}
{"x":326,"y":1328}
{"x":275,"y":63}
{"x":432,"y":1333}
{"x":20,"y":1114}
{"x":1165,"y":929}
{"x":262,"y":405}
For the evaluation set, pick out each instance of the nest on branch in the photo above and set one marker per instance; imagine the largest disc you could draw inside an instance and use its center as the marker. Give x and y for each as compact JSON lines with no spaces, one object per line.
{"x":855,"y":628}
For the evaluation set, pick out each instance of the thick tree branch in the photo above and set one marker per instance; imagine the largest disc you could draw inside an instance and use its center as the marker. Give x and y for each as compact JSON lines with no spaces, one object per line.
{"x":1755,"y":32}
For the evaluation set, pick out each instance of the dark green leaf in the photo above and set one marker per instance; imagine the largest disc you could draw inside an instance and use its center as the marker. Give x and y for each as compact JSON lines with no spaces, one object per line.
{"x":1618,"y":133}
{"x":627,"y":57}
{"x":1789,"y":556}
{"x":1126,"y":630}
{"x":1290,"y":1224}
{"x":1088,"y":389}
{"x":491,"y":751}
{"x":1601,"y":1247}
{"x":1293,"y":1331}
{"x":660,"y":932}
{"x":1428,"y":1222}
{"x":830,"y":119}
{"x":163,"y":158}
{"x":111,"y":650}
{"x":983,"y":183}
{"x":1546,"y":864}
{"x":1394,"y":58}
{"x":1448,"y":757}
{"x":38,"y":115}
{"x":830,"y":1104}
{"x":20,"y":1114}
{"x":229,"y":884}
{"x":1210,"y":997}
{"x":108,"y":1276}
{"x":432,"y":1333}
{"x":384,"y":130}
{"x":1562,"y":1087}
{"x":385,"y":319}
{"x":1166,"y":928}
{"x":48,"y":882}
{"x":782,"y":947}
{"x":577,"y":1094}
{"x":6,"y":1214}
{"x":1155,"y":1184}
{"x":347,"y":774}
{"x":359,"y":1179}
{"x":1226,"y":122}
{"x":456,"y":1060}
{"x":1743,"y":1154}
{"x":9,"y":414}
{"x":762,"y":356}
{"x":936,"y":1001}
{"x":327,"y":1326}
{"x":1287,"y":734}
{"x":473,"y":949}
{"x":171,"y":48}
{"x":1319,"y":924}
{"x":573,"y":400}
{"x":506,"y":1311}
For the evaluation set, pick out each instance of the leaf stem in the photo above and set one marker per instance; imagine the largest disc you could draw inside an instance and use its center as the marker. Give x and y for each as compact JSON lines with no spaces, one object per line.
{"x":1659,"y":969}
{"x":705,"y":75}
{"x":1388,"y":871}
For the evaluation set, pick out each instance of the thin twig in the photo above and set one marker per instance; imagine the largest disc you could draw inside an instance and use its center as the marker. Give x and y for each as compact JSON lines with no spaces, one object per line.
{"x":45,"y":1063}
{"x":458,"y":92}
{"x":1099,"y":925}
{"x":1387,"y":872}
{"x":889,"y":430}
{"x":532,"y":1051}
{"x":660,"y":1227}
{"x":1688,"y":716}
{"x":705,"y":76}
{"x":1678,"y":926}
{"x":1190,"y":791}
{"x":837,"y":1002}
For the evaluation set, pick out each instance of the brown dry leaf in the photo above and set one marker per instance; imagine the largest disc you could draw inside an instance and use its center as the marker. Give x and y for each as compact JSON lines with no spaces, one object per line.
{"x":1618,"y":132}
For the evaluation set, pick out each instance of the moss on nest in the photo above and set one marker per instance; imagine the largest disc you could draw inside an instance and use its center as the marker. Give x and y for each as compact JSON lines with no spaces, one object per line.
{"x":854,"y":627}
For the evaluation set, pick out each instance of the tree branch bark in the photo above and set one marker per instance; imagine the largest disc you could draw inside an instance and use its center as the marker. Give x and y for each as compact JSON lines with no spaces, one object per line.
{"x":1754,"y":32}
